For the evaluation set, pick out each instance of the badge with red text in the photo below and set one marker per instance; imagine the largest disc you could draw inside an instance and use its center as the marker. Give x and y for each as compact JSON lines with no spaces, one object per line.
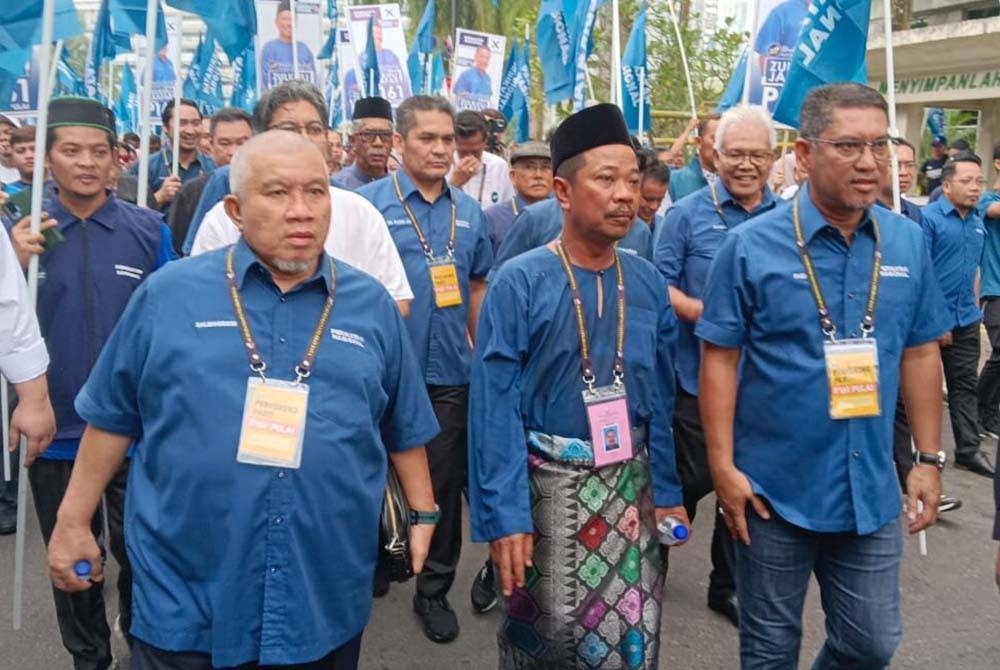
{"x":274,"y":423}
{"x":852,"y":371}
{"x":610,"y":430}
{"x":444,"y":278}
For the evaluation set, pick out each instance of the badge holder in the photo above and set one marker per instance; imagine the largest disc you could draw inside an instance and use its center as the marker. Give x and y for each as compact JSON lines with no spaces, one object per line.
{"x":610,"y":429}
{"x":444,"y":279}
{"x":274,"y":423}
{"x":852,"y":373}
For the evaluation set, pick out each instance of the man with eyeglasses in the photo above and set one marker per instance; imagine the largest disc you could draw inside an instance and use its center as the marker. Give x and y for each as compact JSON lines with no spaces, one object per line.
{"x":371,"y":141}
{"x":691,"y":234}
{"x":531,"y":175}
{"x":815,"y":313}
{"x":955,"y":237}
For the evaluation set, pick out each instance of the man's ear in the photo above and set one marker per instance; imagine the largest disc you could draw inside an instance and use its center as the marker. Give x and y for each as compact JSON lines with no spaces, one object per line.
{"x":233,"y":210}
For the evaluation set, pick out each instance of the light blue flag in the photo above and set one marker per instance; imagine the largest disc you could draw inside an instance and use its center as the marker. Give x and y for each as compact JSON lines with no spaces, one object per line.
{"x":733,"y":95}
{"x":831,"y":49}
{"x":555,"y":48}
{"x":437,"y":74}
{"x":329,"y":47}
{"x":68,"y":82}
{"x":420,"y":52}
{"x":128,"y":17}
{"x":245,"y":80}
{"x":369,"y":62}
{"x":21,"y":27}
{"x":935,"y":124}
{"x":334,"y":94}
{"x":102,"y":47}
{"x":127,"y":103}
{"x":583,"y":39}
{"x":193,"y":79}
{"x":204,"y":78}
{"x":331,"y":13}
{"x":507,"y":89}
{"x":635,"y":82}
{"x":522,"y":95}
{"x":233,"y":22}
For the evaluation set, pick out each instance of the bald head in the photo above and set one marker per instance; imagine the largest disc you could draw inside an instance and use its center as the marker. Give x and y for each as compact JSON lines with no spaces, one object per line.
{"x":252,"y":159}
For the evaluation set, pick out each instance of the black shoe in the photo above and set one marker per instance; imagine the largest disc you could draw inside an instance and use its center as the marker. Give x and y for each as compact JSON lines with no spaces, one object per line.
{"x":440,"y":622}
{"x":948,"y":503}
{"x":484,"y":589}
{"x":380,"y":585}
{"x":8,"y":523}
{"x":727,"y":607}
{"x":977,"y":463}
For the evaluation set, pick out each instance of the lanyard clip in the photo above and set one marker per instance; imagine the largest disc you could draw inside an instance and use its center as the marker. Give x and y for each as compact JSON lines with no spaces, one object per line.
{"x":589,"y":379}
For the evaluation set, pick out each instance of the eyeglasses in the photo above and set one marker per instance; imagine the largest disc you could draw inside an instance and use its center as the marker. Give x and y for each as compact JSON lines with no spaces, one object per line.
{"x":310,"y":129}
{"x":971,"y":181}
{"x":533,"y":166}
{"x":852,"y":150}
{"x":756,"y":158}
{"x":369,"y":136}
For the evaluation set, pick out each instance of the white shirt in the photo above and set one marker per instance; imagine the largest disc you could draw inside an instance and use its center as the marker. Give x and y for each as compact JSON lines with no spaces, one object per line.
{"x":22,"y":350}
{"x":358,"y":236}
{"x":9,"y":175}
{"x":492,"y":184}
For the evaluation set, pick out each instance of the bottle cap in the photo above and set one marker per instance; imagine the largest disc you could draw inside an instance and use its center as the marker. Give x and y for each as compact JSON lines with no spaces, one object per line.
{"x":82,"y":569}
{"x":681,"y":532}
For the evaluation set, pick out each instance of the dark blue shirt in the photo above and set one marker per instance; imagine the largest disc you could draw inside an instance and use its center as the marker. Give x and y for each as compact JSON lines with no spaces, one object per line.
{"x":956,"y":248}
{"x":687,"y":180}
{"x":247,"y":562}
{"x":542,"y":222}
{"x":352,"y":178}
{"x":817,"y":473}
{"x":439,"y":335}
{"x":160,"y":165}
{"x":215,"y":190}
{"x":527,"y":377}
{"x":500,"y":219}
{"x":990,"y":267}
{"x":692,"y":233}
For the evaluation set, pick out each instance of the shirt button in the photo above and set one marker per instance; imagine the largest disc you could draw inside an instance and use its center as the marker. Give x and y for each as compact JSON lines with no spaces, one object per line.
{"x":854,"y":333}
{"x":282,"y":340}
{"x":855,"y":454}
{"x":278,"y":520}
{"x":850,"y":296}
{"x":281,"y":474}
{"x":283,"y":299}
{"x":274,"y":570}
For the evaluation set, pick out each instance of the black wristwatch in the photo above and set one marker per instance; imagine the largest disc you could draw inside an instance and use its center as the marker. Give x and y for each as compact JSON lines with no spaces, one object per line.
{"x":430,"y":518}
{"x":937,"y":460}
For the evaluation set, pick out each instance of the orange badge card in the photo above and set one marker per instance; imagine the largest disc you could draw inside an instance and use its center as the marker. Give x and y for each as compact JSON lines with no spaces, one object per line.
{"x":274,"y":423}
{"x":444,"y":277}
{"x":852,"y":370}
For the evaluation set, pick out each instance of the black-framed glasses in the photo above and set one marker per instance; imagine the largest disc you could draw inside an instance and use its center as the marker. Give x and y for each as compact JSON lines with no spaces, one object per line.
{"x":311,"y":129}
{"x":853,"y":149}
{"x":756,"y":158}
{"x":369,"y":136}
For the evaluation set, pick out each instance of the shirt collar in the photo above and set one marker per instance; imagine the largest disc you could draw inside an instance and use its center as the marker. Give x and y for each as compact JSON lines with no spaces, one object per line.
{"x":105,"y":215}
{"x":244,"y":259}
{"x":947,"y":208}
{"x":813,"y":221}
{"x":766,"y":201}
{"x":407,"y":187}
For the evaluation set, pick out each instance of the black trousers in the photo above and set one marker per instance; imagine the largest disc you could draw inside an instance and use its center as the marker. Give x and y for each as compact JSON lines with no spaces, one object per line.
{"x":989,"y":378}
{"x":83,"y":623}
{"x":902,"y":443}
{"x":961,"y":374}
{"x":448,"y":459}
{"x":148,"y":657}
{"x":692,"y":468}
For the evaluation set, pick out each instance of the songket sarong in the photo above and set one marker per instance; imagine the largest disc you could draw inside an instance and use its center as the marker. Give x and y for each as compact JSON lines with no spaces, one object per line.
{"x":592,"y":597}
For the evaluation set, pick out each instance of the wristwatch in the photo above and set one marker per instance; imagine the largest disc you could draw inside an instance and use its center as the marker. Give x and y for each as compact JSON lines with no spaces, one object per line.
{"x":429,"y":518}
{"x":937,"y":460}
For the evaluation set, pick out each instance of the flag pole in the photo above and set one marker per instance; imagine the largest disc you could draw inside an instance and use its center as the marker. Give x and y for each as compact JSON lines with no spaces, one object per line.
{"x":145,"y":102}
{"x":175,"y":116}
{"x":38,"y":178}
{"x":295,"y":41}
{"x":684,"y":58}
{"x":616,"y":55}
{"x":5,"y":427}
{"x":642,"y":99}
{"x":111,"y":84}
{"x":748,"y":75}
{"x":890,"y":84}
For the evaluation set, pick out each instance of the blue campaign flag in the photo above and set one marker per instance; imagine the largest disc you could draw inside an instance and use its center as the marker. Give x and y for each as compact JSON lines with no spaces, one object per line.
{"x":831,"y":49}
{"x":128,"y":17}
{"x":233,"y":22}
{"x":334,"y":94}
{"x":331,"y":13}
{"x":193,"y":79}
{"x":555,"y":48}
{"x":583,"y":33}
{"x":330,"y":46}
{"x":507,"y":89}
{"x":21,"y":26}
{"x":369,"y":62}
{"x":424,"y":39}
{"x":437,"y":74}
{"x":68,"y":82}
{"x":935,"y":124}
{"x":634,"y":79}
{"x":102,"y":47}
{"x":204,"y":78}
{"x":522,"y":95}
{"x":127,"y":103}
{"x":733,"y":94}
{"x":245,"y":80}
{"x":420,"y":52}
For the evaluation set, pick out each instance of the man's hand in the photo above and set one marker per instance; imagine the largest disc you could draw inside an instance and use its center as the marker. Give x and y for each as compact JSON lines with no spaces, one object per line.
{"x":34,"y":419}
{"x":512,"y":555}
{"x":167,"y":191}
{"x":27,"y":244}
{"x":923,"y":484}
{"x":69,"y":544}
{"x":420,"y":544}
{"x":734,"y":492}
{"x":678,"y":513}
{"x":464,"y":170}
{"x":945,"y":340}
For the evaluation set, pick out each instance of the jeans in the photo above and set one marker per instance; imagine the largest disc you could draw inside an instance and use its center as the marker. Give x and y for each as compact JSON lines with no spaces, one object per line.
{"x":859,"y":585}
{"x":961,"y":365}
{"x":148,"y":657}
{"x":989,"y":379}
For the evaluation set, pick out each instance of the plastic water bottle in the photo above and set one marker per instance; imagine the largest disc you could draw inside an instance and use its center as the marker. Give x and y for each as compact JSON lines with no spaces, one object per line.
{"x":672,"y":531}
{"x":82,"y":570}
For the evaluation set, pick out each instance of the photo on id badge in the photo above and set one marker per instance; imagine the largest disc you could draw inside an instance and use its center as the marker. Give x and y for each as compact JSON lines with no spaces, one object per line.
{"x":611,"y":441}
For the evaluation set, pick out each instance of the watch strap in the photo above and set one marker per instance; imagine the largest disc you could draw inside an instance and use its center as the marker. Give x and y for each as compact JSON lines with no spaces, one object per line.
{"x":430,"y":518}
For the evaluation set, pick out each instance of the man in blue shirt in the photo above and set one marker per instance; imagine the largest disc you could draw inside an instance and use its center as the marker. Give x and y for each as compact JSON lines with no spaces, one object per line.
{"x":531,"y":176}
{"x":652,"y":191}
{"x":692,"y":233}
{"x":955,"y":237}
{"x":371,"y":140}
{"x":989,"y":380}
{"x":701,"y":170}
{"x":110,"y":248}
{"x":589,"y":593}
{"x":259,"y":546}
{"x":276,"y":62}
{"x":798,"y":417}
{"x":441,"y":237}
{"x":475,"y":82}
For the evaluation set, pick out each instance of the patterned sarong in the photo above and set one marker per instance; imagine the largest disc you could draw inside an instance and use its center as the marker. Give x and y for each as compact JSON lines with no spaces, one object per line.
{"x":592,"y":598}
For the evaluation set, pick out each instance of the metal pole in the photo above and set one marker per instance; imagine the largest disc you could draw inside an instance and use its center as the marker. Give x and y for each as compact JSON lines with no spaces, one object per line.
{"x":750,"y":53}
{"x":5,"y":427}
{"x":111,"y":84}
{"x":175,"y":116}
{"x":145,"y":102}
{"x":295,"y":41}
{"x":642,"y":99}
{"x":616,"y":56}
{"x":454,"y":17}
{"x":684,"y":58}
{"x":890,"y":83}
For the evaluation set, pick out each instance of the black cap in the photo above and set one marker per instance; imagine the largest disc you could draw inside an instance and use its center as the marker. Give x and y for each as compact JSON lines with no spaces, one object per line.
{"x":372,"y":108}
{"x":589,"y":128}
{"x":77,"y":111}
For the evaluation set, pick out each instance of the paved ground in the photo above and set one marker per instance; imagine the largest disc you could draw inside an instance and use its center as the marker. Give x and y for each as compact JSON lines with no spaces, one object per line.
{"x":950,"y":604}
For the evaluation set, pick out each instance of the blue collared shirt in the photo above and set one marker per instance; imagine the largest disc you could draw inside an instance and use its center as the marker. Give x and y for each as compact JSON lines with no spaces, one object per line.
{"x":692,"y":233}
{"x":687,"y":180}
{"x":956,"y":248}
{"x":439,"y":335}
{"x":247,"y":562}
{"x":817,"y":473}
{"x":160,"y":165}
{"x":352,"y":178}
{"x":542,"y":222}
{"x":990,"y":267}
{"x":500,"y":219}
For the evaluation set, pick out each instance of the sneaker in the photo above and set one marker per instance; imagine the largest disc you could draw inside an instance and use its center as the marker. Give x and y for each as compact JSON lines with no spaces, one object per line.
{"x":439,"y":620}
{"x":949,"y":503}
{"x":484,"y":589}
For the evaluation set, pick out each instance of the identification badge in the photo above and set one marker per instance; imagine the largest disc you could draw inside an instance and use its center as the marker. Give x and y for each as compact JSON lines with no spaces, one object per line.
{"x":852,"y":371}
{"x":610,"y":431}
{"x":444,"y":277}
{"x":274,"y":423}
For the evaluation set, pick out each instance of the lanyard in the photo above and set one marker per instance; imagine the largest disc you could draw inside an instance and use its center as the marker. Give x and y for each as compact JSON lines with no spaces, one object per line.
{"x":825,"y":320}
{"x":717,"y":204}
{"x":482,"y":182}
{"x":581,"y":325}
{"x":424,"y":243}
{"x":257,"y":364}
{"x":514,"y":207}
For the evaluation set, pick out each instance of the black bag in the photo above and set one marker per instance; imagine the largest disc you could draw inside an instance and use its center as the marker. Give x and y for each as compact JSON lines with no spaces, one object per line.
{"x":394,"y":531}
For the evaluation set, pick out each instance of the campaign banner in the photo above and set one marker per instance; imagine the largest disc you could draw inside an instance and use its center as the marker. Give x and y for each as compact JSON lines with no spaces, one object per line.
{"x":478,"y":70}
{"x":775,"y":33}
{"x":390,"y":48}
{"x":347,"y":62}
{"x":275,"y":62}
{"x":24,"y":97}
{"x":166,"y":66}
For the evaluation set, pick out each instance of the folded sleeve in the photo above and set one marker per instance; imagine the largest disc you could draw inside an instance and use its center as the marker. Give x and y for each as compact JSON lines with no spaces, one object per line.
{"x":23,"y":355}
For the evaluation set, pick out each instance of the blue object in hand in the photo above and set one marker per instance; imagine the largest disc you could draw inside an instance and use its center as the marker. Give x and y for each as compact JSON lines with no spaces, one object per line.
{"x":82,"y":570}
{"x":672,"y":531}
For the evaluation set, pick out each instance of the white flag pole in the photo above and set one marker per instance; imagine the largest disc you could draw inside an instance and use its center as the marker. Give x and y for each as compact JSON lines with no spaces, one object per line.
{"x":748,"y":75}
{"x":890,"y":84}
{"x":54,"y":65}
{"x":295,"y":40}
{"x":616,"y":56}
{"x":642,"y":100}
{"x":175,"y":115}
{"x":111,"y":84}
{"x":145,"y":103}
{"x":5,"y":427}
{"x":38,"y":178}
{"x":684,"y":58}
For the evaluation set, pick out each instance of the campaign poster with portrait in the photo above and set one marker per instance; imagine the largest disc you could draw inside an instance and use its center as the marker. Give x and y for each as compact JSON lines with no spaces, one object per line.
{"x":166,"y":65}
{"x":24,"y":96}
{"x":350,"y":90}
{"x":390,"y":48}
{"x":774,"y":36}
{"x":478,"y":70}
{"x":275,"y":61}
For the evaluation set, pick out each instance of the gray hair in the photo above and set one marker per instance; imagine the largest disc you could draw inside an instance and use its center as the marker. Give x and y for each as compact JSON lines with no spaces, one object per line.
{"x":406,"y":113}
{"x":745,"y":114}
{"x":816,"y":113}
{"x":282,"y":94}
{"x":271,"y":141}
